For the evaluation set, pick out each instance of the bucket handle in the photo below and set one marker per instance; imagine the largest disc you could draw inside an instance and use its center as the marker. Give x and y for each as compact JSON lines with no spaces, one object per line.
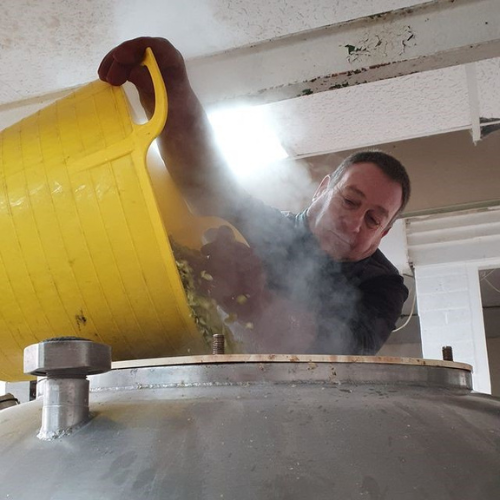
{"x":150,"y":130}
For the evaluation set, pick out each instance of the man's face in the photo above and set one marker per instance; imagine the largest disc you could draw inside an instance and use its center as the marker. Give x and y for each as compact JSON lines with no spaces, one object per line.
{"x":350,"y":218}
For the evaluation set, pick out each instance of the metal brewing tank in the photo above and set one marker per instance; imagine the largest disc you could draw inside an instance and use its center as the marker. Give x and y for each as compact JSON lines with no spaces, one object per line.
{"x":255,"y":427}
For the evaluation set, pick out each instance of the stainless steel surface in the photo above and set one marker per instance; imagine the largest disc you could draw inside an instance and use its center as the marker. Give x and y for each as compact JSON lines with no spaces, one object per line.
{"x":66,"y":362}
{"x":68,"y":355}
{"x":264,"y":430}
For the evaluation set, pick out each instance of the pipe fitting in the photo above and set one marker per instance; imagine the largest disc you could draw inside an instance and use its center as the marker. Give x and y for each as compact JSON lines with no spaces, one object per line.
{"x":65,"y":362}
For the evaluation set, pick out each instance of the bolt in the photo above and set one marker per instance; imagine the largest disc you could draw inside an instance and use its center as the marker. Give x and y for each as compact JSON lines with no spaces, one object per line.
{"x":218,"y":344}
{"x":447,"y":353}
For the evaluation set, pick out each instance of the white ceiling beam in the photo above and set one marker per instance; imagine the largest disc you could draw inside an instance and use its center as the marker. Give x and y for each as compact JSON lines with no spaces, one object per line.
{"x":419,"y":105}
{"x":434,"y":35}
{"x":458,"y":237}
{"x":487,"y":78}
{"x":470,"y":72}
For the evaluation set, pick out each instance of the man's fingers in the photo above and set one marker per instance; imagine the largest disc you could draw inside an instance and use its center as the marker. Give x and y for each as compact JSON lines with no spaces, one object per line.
{"x":140,"y":77}
{"x":120,"y":63}
{"x":117,"y":74}
{"x":131,"y":52}
{"x":226,"y":233}
{"x":124,"y":63}
{"x":105,"y":65}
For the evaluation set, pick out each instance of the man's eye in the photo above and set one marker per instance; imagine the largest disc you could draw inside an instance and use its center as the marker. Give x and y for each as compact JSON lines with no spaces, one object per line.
{"x":349,"y":202}
{"x":373,"y":222}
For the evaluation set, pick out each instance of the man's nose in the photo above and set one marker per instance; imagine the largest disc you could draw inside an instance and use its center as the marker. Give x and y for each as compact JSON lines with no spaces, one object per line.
{"x":353,"y":222}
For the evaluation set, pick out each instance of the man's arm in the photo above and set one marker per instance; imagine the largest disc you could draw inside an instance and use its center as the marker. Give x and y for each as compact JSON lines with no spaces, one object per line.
{"x":186,"y":143}
{"x":188,"y":148}
{"x":364,"y":328}
{"x":382,"y":305}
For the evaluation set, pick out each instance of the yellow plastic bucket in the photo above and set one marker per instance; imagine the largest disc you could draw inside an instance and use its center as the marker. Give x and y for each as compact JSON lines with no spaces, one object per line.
{"x":84,"y":242}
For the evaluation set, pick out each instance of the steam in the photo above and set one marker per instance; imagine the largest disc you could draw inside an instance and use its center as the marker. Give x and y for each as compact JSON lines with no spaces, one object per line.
{"x":288,"y":185}
{"x":304,"y":301}
{"x":285,"y":185}
{"x":319,"y":323}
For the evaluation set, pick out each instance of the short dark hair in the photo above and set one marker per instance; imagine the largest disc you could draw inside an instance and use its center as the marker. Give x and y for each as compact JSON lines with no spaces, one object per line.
{"x":388,"y":164}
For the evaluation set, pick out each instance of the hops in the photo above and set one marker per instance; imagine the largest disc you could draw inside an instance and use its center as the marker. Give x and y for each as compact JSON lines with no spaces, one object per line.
{"x":206,"y":276}
{"x":204,"y":309}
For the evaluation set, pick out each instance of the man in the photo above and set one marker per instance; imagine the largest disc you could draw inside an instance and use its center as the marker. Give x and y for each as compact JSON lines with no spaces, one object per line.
{"x":319,"y":283}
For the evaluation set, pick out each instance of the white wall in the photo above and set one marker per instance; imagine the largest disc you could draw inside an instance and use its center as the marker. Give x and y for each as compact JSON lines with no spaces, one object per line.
{"x":395,"y":248}
{"x":20,"y":390}
{"x":451,"y":314}
{"x":447,"y":252}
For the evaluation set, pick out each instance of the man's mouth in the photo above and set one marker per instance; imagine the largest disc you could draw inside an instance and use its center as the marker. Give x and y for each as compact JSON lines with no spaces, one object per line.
{"x":344,"y":240}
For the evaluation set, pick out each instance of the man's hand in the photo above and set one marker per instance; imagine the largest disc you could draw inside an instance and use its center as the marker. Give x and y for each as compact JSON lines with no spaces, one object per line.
{"x":123,"y":63}
{"x":236,"y":278}
{"x":237,"y":281}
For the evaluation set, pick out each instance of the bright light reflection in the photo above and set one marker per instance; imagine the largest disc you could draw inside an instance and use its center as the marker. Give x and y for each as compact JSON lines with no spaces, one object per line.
{"x":246,"y":139}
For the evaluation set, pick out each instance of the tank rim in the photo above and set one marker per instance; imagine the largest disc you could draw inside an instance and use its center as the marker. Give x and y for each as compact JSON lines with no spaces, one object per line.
{"x":285,"y":358}
{"x":239,"y":369}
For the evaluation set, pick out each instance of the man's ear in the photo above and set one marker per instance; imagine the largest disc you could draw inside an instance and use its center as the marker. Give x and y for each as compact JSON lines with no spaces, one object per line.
{"x":322,"y":186}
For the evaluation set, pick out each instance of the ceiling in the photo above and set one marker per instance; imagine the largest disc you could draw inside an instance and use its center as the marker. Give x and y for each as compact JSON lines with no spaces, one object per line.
{"x":418,"y":79}
{"x":274,"y":51}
